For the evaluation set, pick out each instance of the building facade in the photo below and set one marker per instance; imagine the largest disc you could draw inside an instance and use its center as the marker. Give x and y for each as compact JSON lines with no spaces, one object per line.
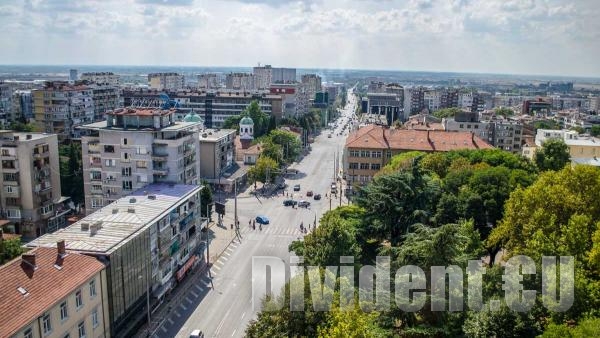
{"x":214,"y":107}
{"x":217,"y":149}
{"x":208,"y":81}
{"x":166,"y":81}
{"x":387,"y":104}
{"x":501,"y":133}
{"x":370,"y":148}
{"x":136,"y":147}
{"x":312,"y":83}
{"x":61,"y":107}
{"x":102,"y":78}
{"x":31,"y":195}
{"x":294,"y":97}
{"x":580,"y":147}
{"x":148,"y":241}
{"x":239,"y":81}
{"x":263,"y":77}
{"x":53,"y":293}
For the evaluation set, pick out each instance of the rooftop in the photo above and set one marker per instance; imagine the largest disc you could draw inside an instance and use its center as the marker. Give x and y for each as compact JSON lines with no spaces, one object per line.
{"x":7,"y":135}
{"x":379,"y":137}
{"x":141,"y":112}
{"x":27,"y":292}
{"x":118,"y":227}
{"x":213,"y":135}
{"x":176,"y":126}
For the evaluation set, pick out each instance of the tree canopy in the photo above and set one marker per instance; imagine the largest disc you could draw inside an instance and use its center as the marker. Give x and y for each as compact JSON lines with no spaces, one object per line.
{"x":264,"y":170}
{"x":446,"y":112}
{"x":553,"y":155}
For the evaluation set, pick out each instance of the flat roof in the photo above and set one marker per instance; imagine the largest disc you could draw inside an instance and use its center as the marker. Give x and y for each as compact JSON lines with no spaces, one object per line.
{"x":213,"y":135}
{"x":103,"y":125}
{"x":118,"y":228}
{"x":23,"y":135}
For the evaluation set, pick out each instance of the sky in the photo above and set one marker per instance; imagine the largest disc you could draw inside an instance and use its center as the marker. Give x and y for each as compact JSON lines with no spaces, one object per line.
{"x":550,"y":37}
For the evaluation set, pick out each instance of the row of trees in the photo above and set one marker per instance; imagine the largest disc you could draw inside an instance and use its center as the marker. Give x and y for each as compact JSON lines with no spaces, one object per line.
{"x":263,"y":123}
{"x":279,"y":147}
{"x":444,"y":209}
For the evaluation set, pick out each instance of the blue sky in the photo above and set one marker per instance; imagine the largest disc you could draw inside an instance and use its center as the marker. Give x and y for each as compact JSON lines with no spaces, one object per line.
{"x":554,"y":37}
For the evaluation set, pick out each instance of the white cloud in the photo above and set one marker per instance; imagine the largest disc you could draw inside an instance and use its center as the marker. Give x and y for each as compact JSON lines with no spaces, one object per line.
{"x":513,"y":36}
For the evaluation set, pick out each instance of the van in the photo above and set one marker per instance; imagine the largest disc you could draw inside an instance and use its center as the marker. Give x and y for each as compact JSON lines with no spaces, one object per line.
{"x":197,"y":334}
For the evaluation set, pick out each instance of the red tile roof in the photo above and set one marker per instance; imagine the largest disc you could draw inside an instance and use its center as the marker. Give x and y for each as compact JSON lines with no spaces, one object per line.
{"x":379,"y":137}
{"x":45,"y":286}
{"x":141,"y":111}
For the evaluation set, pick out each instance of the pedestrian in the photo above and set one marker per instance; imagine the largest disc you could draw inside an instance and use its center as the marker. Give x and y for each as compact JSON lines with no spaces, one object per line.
{"x":231,"y":225}
{"x":253,"y":226}
{"x":250,"y":223}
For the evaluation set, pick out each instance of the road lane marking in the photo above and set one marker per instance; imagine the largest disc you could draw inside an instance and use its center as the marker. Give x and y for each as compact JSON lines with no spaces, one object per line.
{"x":243,"y":314}
{"x":183,"y":307}
{"x":233,"y":334}
{"x":164,"y":329}
{"x":177,"y":314}
{"x":171,"y":321}
{"x":225,"y":259}
{"x":189,"y":301}
{"x":199,"y":288}
{"x":218,"y":262}
{"x":193,"y":293}
{"x":216,"y":267}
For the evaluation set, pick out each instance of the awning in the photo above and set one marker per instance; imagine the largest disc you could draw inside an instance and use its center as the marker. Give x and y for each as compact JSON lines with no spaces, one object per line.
{"x":62,"y":199}
{"x":190,"y":262}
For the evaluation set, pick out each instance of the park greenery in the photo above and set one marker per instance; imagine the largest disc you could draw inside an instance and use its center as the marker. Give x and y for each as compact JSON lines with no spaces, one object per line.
{"x":441,"y":209}
{"x":446,"y":112}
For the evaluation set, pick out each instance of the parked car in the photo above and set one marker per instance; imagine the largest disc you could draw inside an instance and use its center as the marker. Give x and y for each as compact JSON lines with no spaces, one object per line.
{"x":288,"y":203}
{"x":262,"y":220}
{"x":317,"y":197}
{"x":281,"y":186}
{"x":197,"y":334}
{"x":309,"y":193}
{"x":304,"y":204}
{"x":297,"y":187}
{"x":329,"y":136}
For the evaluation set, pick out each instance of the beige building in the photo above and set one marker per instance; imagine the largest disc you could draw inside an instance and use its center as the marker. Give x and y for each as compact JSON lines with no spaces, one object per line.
{"x":370,"y":148}
{"x":217,"y":150}
{"x":50,"y":292}
{"x":312,"y":83}
{"x":103,"y":78}
{"x":30,"y":180}
{"x":580,"y":146}
{"x":166,"y":81}
{"x":149,"y":240}
{"x":60,"y":107}
{"x":136,"y":147}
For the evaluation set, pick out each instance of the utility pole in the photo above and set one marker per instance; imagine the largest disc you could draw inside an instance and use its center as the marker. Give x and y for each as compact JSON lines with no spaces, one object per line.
{"x":235,"y":217}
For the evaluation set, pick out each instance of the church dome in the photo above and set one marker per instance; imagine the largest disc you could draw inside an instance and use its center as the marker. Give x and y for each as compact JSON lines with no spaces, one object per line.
{"x":192,"y":117}
{"x":246,"y":120}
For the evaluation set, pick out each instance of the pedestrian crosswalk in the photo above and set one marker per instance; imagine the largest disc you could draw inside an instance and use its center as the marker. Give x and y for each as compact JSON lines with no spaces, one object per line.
{"x":271,"y":230}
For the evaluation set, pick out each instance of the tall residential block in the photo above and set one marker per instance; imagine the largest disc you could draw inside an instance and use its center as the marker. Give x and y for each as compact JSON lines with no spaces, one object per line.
{"x":102,"y":78}
{"x":312,"y":83}
{"x":263,"y":76}
{"x":136,"y":147}
{"x":208,"y":81}
{"x":60,"y":107}
{"x":30,"y":180}
{"x":166,"y":81}
{"x":239,"y":81}
{"x":148,"y":241}
{"x":53,"y":293}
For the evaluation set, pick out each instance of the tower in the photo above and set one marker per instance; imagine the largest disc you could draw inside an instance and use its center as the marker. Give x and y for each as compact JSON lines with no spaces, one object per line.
{"x":246,"y":131}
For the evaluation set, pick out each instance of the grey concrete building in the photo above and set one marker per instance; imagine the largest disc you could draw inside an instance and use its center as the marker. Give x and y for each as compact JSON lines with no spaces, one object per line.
{"x":102,"y":78}
{"x":166,"y":81}
{"x":217,"y":151}
{"x":136,"y":147}
{"x":147,"y":240}
{"x":387,"y":104}
{"x":30,"y":179}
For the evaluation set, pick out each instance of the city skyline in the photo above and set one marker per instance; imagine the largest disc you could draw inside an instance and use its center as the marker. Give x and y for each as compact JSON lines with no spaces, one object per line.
{"x":496,"y":37}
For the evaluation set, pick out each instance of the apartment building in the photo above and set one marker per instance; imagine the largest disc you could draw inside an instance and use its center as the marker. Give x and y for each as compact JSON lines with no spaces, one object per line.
{"x":263,"y":77}
{"x":148,"y":241}
{"x":22,"y":102}
{"x":208,"y":81}
{"x":414,"y":101}
{"x":6,"y":104}
{"x":217,"y":149}
{"x":105,"y":98}
{"x":501,"y":133}
{"x":370,"y":148}
{"x":432,"y":100}
{"x":61,"y":107}
{"x":166,"y":81}
{"x":53,"y":293}
{"x":312,"y":83}
{"x":214,"y":107}
{"x":283,"y":75}
{"x":102,"y":78}
{"x":239,"y":81}
{"x":136,"y":147}
{"x":30,"y":179}
{"x":580,"y":146}
{"x":294,"y":97}
{"x":387,"y":104}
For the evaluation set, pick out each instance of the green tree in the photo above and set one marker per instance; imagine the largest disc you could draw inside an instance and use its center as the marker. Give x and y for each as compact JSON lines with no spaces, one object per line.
{"x":272,"y":150}
{"x":232,"y":122}
{"x":401,"y":161}
{"x":504,"y":111}
{"x":578,"y":129}
{"x":341,"y":324}
{"x":288,"y":141}
{"x":501,"y":323}
{"x":553,"y":155}
{"x":22,"y":127}
{"x":71,"y":175}
{"x":9,"y":249}
{"x":260,"y":119}
{"x":206,"y":198}
{"x":446,"y":112}
{"x":546,"y":124}
{"x":588,"y":327}
{"x":595,"y":131}
{"x":264,"y":169}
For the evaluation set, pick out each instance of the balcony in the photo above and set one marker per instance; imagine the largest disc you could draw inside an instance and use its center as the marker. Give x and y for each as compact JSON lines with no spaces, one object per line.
{"x":10,"y":166}
{"x":160,"y":157}
{"x":96,"y":191}
{"x":93,"y":149}
{"x":96,"y":164}
{"x":161,"y":171}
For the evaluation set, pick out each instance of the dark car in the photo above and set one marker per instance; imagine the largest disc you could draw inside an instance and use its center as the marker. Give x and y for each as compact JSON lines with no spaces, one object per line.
{"x":297,"y":187}
{"x":309,"y":193}
{"x":304,"y":204}
{"x":287,"y":203}
{"x":262,"y":220}
{"x":317,"y":197}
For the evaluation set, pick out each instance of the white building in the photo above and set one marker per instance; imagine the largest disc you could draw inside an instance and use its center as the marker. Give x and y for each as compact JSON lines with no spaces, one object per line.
{"x":136,"y":147}
{"x":263,"y":76}
{"x":102,"y":78}
{"x":239,"y":81}
{"x":312,"y":83}
{"x":432,"y":100}
{"x":503,"y":134}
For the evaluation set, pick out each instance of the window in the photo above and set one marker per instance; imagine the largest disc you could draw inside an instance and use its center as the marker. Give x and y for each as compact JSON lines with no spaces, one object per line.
{"x":126,"y":171}
{"x":375,"y":166}
{"x":78,"y":299}
{"x":125,"y":141}
{"x":96,"y":203}
{"x":28,"y":333}
{"x":141,"y":164}
{"x":109,"y":149}
{"x":365,"y":153}
{"x":468,"y":126}
{"x":125,"y":157}
{"x":46,"y":209}
{"x":93,"y":288}
{"x":10,"y":177}
{"x":476,"y":126}
{"x":95,"y":175}
{"x":110,"y":162}
{"x":364,"y":166}
{"x":64,"y":312}
{"x":81,"y":329}
{"x":376,"y":154}
{"x":46,"y":324}
{"x":141,"y":151}
{"x":127,"y":185}
{"x":388,"y":154}
{"x":354,"y":153}
{"x":95,"y":318}
{"x":9,"y":189}
{"x":461,"y":126}
{"x":353,"y":165}
{"x":13,"y":213}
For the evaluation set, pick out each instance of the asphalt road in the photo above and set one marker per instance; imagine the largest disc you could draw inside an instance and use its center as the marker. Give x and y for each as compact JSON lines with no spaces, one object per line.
{"x":221,"y":305}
